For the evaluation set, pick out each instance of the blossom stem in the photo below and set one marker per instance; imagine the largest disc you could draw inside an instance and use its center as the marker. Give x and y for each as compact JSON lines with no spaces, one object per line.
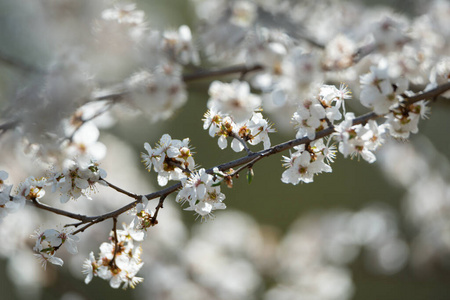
{"x":158,"y":207}
{"x":116,"y":243}
{"x":244,"y":143}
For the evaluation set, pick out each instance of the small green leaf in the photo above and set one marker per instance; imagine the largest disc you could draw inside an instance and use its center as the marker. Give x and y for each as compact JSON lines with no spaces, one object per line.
{"x":250,"y":175}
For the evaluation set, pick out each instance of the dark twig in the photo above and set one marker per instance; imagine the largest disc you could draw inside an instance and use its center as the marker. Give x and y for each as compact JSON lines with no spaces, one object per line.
{"x":116,"y":243}
{"x":238,"y":69}
{"x":7,"y":126}
{"x":120,"y":190}
{"x":57,"y":211}
{"x":158,"y":207}
{"x":119,"y":91}
{"x":244,"y":143}
{"x":246,"y":161}
{"x":18,"y":64}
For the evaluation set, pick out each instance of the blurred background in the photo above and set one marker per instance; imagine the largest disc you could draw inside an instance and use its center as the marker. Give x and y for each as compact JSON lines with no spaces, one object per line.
{"x":365,"y":231}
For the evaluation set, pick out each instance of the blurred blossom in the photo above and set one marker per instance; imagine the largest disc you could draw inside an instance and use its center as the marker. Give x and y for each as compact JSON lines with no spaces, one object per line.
{"x":158,"y":93}
{"x":322,"y":282}
{"x":26,"y":275}
{"x":85,"y":146}
{"x":389,"y":257}
{"x":217,"y":262}
{"x":233,"y":98}
{"x":426,"y":201}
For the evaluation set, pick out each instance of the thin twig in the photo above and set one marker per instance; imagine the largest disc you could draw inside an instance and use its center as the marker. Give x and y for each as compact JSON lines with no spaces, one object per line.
{"x":158,"y":207}
{"x":244,"y":143}
{"x":120,"y":190}
{"x":246,"y":161}
{"x":57,"y":211}
{"x":238,"y":69}
{"x":82,"y":229}
{"x":116,"y":243}
{"x":19,"y":64}
{"x":119,"y":91}
{"x":7,"y":126}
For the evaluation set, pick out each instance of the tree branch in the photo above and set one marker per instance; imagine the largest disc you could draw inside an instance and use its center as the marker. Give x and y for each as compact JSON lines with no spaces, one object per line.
{"x":57,"y":211}
{"x":19,"y":64}
{"x":221,"y":72}
{"x":120,"y":190}
{"x":246,"y":161}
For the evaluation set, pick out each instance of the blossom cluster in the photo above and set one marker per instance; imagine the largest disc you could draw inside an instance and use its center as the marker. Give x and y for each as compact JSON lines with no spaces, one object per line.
{"x":118,"y":261}
{"x":202,"y":193}
{"x":29,"y":189}
{"x":71,"y":183}
{"x":157,"y":89}
{"x":171,"y":159}
{"x":233,"y":113}
{"x":316,"y":113}
{"x":49,"y":241}
{"x":355,"y":140}
{"x":307,"y":161}
{"x":76,"y":180}
{"x":8,"y":203}
{"x":379,"y":92}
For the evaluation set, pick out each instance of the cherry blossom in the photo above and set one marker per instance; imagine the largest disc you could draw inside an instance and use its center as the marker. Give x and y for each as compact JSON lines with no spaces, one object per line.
{"x":233,"y":98}
{"x":303,"y":164}
{"x":171,"y":159}
{"x":118,"y":263}
{"x":379,"y":91}
{"x":202,"y":194}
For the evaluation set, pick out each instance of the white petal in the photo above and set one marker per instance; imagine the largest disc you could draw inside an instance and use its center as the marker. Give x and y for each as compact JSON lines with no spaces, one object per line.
{"x":236,"y":145}
{"x":222,"y":141}
{"x":162,"y":180}
{"x":87,"y":134}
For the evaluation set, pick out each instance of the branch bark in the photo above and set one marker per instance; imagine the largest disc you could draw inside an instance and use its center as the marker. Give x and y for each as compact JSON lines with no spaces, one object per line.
{"x":246,"y":161}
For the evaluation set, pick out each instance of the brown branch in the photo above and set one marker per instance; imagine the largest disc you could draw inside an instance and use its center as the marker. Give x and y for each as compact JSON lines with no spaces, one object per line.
{"x":116,"y":243}
{"x":238,"y":69}
{"x":7,"y":126}
{"x":114,"y":93}
{"x":246,"y":161}
{"x":120,"y":190}
{"x":19,"y":64}
{"x":117,"y":92}
{"x":154,"y":220}
{"x":82,"y":229}
{"x":57,"y":211}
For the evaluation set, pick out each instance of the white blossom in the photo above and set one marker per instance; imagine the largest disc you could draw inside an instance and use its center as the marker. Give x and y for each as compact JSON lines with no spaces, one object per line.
{"x":379,"y":92}
{"x":234,"y":99}
{"x":202,"y":193}
{"x":303,"y":164}
{"x":159,"y":92}
{"x":171,"y":159}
